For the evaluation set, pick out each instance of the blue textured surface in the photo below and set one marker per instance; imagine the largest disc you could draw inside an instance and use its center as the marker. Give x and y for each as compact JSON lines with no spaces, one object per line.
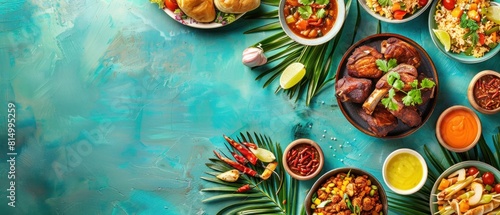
{"x":118,"y":106}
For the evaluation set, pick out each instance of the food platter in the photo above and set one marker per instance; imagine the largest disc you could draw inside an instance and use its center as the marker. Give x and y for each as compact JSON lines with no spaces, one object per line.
{"x":417,"y":13}
{"x":221,"y":19}
{"x":481,"y":166}
{"x":427,"y":68}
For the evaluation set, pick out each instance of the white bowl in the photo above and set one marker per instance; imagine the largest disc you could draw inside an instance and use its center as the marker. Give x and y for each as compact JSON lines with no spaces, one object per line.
{"x":424,"y":171}
{"x":383,"y":18}
{"x":341,"y":13}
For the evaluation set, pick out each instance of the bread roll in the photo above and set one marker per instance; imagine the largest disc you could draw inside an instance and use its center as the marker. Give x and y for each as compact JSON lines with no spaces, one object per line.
{"x":236,"y":6}
{"x":199,"y":10}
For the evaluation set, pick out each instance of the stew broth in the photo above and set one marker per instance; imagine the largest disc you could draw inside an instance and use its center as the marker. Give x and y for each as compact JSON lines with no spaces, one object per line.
{"x":310,"y":18}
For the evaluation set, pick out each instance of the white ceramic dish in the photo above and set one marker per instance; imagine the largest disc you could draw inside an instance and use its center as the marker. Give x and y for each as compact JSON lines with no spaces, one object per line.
{"x":424,"y":171}
{"x":219,"y":20}
{"x":341,"y":13}
{"x":406,"y":19}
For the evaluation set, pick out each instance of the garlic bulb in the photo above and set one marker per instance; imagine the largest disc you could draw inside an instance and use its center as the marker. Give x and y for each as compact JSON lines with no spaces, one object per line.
{"x":253,"y":56}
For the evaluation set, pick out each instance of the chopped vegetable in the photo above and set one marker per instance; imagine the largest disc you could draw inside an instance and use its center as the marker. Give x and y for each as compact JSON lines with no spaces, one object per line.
{"x":443,"y":184}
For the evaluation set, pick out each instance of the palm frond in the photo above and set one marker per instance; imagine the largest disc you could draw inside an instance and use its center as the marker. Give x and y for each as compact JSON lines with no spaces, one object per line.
{"x":276,"y":195}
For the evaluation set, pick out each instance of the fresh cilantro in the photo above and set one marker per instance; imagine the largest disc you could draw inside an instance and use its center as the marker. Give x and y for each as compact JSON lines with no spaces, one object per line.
{"x":320,"y":13}
{"x":392,"y":77}
{"x":306,"y":2}
{"x":322,"y":2}
{"x":305,"y":11}
{"x":386,"y":66}
{"x":412,"y":97}
{"x":470,"y":24}
{"x":398,"y":84}
{"x":427,"y":83}
{"x":385,"y":2}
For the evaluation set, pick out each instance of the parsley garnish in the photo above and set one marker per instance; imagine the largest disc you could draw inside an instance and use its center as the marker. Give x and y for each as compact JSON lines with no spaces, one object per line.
{"x":412,"y":97}
{"x":472,"y":26}
{"x":386,"y":66}
{"x":306,"y":2}
{"x":322,"y":2}
{"x":305,"y":11}
{"x":320,"y":13}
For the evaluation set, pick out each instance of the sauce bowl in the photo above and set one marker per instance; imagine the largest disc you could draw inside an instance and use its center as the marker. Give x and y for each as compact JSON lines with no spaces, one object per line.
{"x":458,"y":128}
{"x":404,"y":165}
{"x":477,"y":84}
{"x":311,"y":153}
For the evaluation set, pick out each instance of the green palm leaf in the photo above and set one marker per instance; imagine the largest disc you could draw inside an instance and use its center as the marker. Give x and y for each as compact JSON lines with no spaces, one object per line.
{"x":276,"y":195}
{"x":419,"y":203}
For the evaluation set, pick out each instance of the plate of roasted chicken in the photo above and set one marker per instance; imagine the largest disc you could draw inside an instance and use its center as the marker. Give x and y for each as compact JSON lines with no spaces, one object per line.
{"x":386,"y":86}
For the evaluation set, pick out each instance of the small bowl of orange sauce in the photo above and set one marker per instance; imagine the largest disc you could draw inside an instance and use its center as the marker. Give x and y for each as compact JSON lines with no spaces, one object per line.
{"x":458,"y":128}
{"x":484,"y":92}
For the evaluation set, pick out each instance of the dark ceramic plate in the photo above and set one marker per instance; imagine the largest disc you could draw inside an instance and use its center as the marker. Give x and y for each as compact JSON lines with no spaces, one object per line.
{"x":350,"y":110}
{"x":352,"y":170}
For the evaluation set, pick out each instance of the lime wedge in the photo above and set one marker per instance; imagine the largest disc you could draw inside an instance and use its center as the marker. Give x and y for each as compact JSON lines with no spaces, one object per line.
{"x":444,"y":38}
{"x":292,"y":75}
{"x":263,"y":155}
{"x":493,"y":14}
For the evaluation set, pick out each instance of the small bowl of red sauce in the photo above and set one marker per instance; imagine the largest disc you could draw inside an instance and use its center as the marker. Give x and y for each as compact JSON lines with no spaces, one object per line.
{"x":303,"y":159}
{"x":458,"y":128}
{"x":484,"y":92}
{"x":311,"y":22}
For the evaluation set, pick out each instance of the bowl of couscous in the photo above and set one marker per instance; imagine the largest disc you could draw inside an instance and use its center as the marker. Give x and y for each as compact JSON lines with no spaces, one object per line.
{"x":465,"y":31}
{"x":395,"y":11}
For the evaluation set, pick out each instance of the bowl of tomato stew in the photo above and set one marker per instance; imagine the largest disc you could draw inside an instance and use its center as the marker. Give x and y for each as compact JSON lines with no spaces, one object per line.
{"x":311,"y":22}
{"x":303,"y":159}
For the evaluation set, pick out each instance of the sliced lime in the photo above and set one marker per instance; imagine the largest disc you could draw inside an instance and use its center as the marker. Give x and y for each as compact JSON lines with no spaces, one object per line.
{"x":493,"y":14}
{"x":444,"y":38}
{"x":292,"y":75}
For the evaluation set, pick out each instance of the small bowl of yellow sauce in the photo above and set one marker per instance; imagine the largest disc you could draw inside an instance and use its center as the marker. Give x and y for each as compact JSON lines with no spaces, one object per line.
{"x":404,"y":171}
{"x":458,"y":128}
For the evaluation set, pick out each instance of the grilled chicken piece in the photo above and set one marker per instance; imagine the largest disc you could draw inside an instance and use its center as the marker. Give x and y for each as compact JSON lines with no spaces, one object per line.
{"x":353,"y":89}
{"x":361,"y":63}
{"x":401,"y":51}
{"x":407,"y":73}
{"x":409,"y":115}
{"x":381,"y":122}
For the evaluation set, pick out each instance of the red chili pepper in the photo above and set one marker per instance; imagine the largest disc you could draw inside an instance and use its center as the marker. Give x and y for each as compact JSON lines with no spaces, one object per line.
{"x":237,"y":165}
{"x":315,"y":22}
{"x":250,"y":145}
{"x":244,"y":151}
{"x":244,"y":188}
{"x":237,"y":157}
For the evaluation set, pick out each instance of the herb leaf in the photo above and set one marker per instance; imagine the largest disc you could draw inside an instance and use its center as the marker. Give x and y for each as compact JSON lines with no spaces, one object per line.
{"x":386,"y":66}
{"x":320,"y":13}
{"x":322,"y":2}
{"x":385,"y":2}
{"x":392,"y":77}
{"x":427,"y":83}
{"x":305,"y":11}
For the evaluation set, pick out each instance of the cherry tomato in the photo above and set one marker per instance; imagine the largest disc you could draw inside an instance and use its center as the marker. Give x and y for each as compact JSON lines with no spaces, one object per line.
{"x":171,"y":4}
{"x":399,"y":14}
{"x":422,"y":3}
{"x":449,"y":4}
{"x":488,"y":178}
{"x":497,"y":188}
{"x":472,"y":170}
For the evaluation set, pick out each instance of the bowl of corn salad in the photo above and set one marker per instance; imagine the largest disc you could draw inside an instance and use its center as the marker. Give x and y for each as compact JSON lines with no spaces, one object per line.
{"x":346,"y":190}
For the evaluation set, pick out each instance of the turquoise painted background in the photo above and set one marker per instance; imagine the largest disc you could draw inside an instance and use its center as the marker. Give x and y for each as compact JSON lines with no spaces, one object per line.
{"x":118,"y":106}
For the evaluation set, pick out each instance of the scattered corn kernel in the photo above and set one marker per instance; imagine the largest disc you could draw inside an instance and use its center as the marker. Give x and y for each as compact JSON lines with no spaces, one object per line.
{"x":313,"y":206}
{"x":327,"y":190}
{"x":331,"y":185}
{"x":317,"y":201}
